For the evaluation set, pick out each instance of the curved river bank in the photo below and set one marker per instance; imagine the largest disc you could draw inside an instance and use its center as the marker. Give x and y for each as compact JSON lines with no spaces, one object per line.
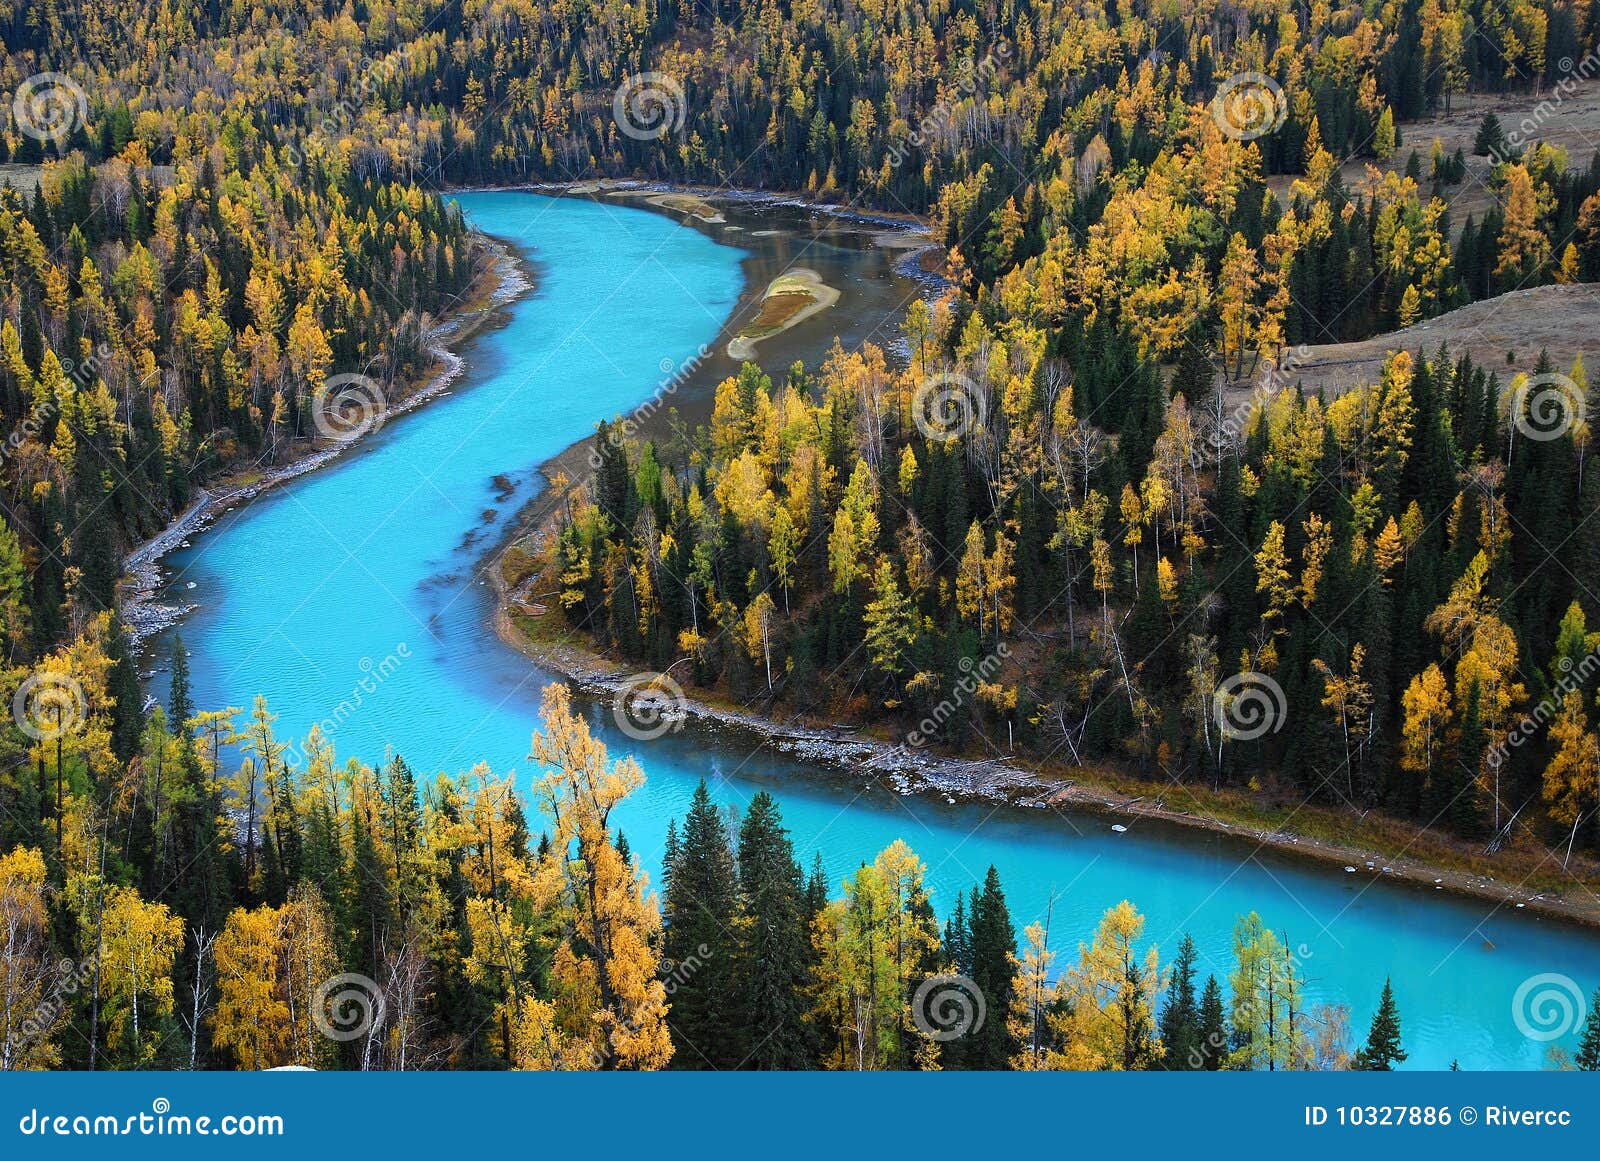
{"x":364,"y":572}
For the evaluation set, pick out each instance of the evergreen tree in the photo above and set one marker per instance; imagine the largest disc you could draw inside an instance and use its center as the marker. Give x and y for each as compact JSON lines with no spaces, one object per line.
{"x":774,"y":932}
{"x":1213,"y":1046}
{"x":1588,"y":1057}
{"x":1180,"y":1019}
{"x":698,"y":946}
{"x":127,"y":712}
{"x":1382,"y":1051}
{"x":180,"y":702}
{"x":994,"y":957}
{"x":1491,"y":138}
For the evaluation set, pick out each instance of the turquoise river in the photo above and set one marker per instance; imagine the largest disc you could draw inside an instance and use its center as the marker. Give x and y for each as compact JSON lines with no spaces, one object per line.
{"x":369,"y":565}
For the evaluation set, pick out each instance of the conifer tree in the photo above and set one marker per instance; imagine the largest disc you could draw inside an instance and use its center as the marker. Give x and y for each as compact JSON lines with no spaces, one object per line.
{"x":774,"y":943}
{"x":1180,"y":1019}
{"x":1382,"y":1051}
{"x":1213,"y":1046}
{"x":698,"y":943}
{"x":994,"y":952}
{"x":1588,"y":1057}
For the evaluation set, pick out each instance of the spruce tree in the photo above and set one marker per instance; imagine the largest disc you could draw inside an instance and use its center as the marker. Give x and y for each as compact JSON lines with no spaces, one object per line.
{"x":771,"y":965}
{"x":1180,"y":1019}
{"x":1382,"y":1051}
{"x":180,"y":701}
{"x":698,"y":948}
{"x":1213,"y":1029}
{"x":957,"y":940}
{"x":127,"y":711}
{"x":994,"y":951}
{"x":1588,"y":1058}
{"x":1491,"y":139}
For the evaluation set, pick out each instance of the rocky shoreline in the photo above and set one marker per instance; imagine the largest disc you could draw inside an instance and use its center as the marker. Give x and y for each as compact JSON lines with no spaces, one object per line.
{"x":505,"y":280}
{"x":1005,"y":783}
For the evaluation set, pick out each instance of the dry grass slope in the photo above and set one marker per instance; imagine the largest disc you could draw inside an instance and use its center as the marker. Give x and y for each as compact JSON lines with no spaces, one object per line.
{"x":1563,"y":320}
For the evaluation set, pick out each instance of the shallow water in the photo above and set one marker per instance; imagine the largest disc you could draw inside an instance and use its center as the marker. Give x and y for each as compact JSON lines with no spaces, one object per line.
{"x":364,"y":571}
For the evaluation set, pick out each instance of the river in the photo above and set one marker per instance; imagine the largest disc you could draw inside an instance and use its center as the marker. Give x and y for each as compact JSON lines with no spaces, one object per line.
{"x":364,"y":571}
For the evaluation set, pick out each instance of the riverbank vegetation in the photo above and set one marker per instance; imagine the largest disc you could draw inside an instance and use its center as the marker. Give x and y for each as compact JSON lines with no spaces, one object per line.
{"x":190,"y":911}
{"x":1061,"y":531}
{"x":1098,"y":518}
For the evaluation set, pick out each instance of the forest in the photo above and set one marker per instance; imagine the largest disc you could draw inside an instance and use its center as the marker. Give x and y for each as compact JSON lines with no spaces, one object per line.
{"x":1087,"y":472}
{"x":404,"y":923}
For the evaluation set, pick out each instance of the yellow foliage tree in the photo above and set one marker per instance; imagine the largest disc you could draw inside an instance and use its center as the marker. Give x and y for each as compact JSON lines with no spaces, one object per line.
{"x":608,"y":951}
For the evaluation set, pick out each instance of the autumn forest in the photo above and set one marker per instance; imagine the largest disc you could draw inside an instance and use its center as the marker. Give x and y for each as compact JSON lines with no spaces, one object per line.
{"x":1093,"y":507}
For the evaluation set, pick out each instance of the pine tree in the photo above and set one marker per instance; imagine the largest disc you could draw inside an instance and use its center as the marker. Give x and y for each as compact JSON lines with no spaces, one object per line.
{"x":698,"y":946}
{"x":774,"y":941}
{"x":994,"y":950}
{"x":1588,"y":1057}
{"x":1213,"y":1045}
{"x":1180,"y":1019}
{"x":1382,"y":1051}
